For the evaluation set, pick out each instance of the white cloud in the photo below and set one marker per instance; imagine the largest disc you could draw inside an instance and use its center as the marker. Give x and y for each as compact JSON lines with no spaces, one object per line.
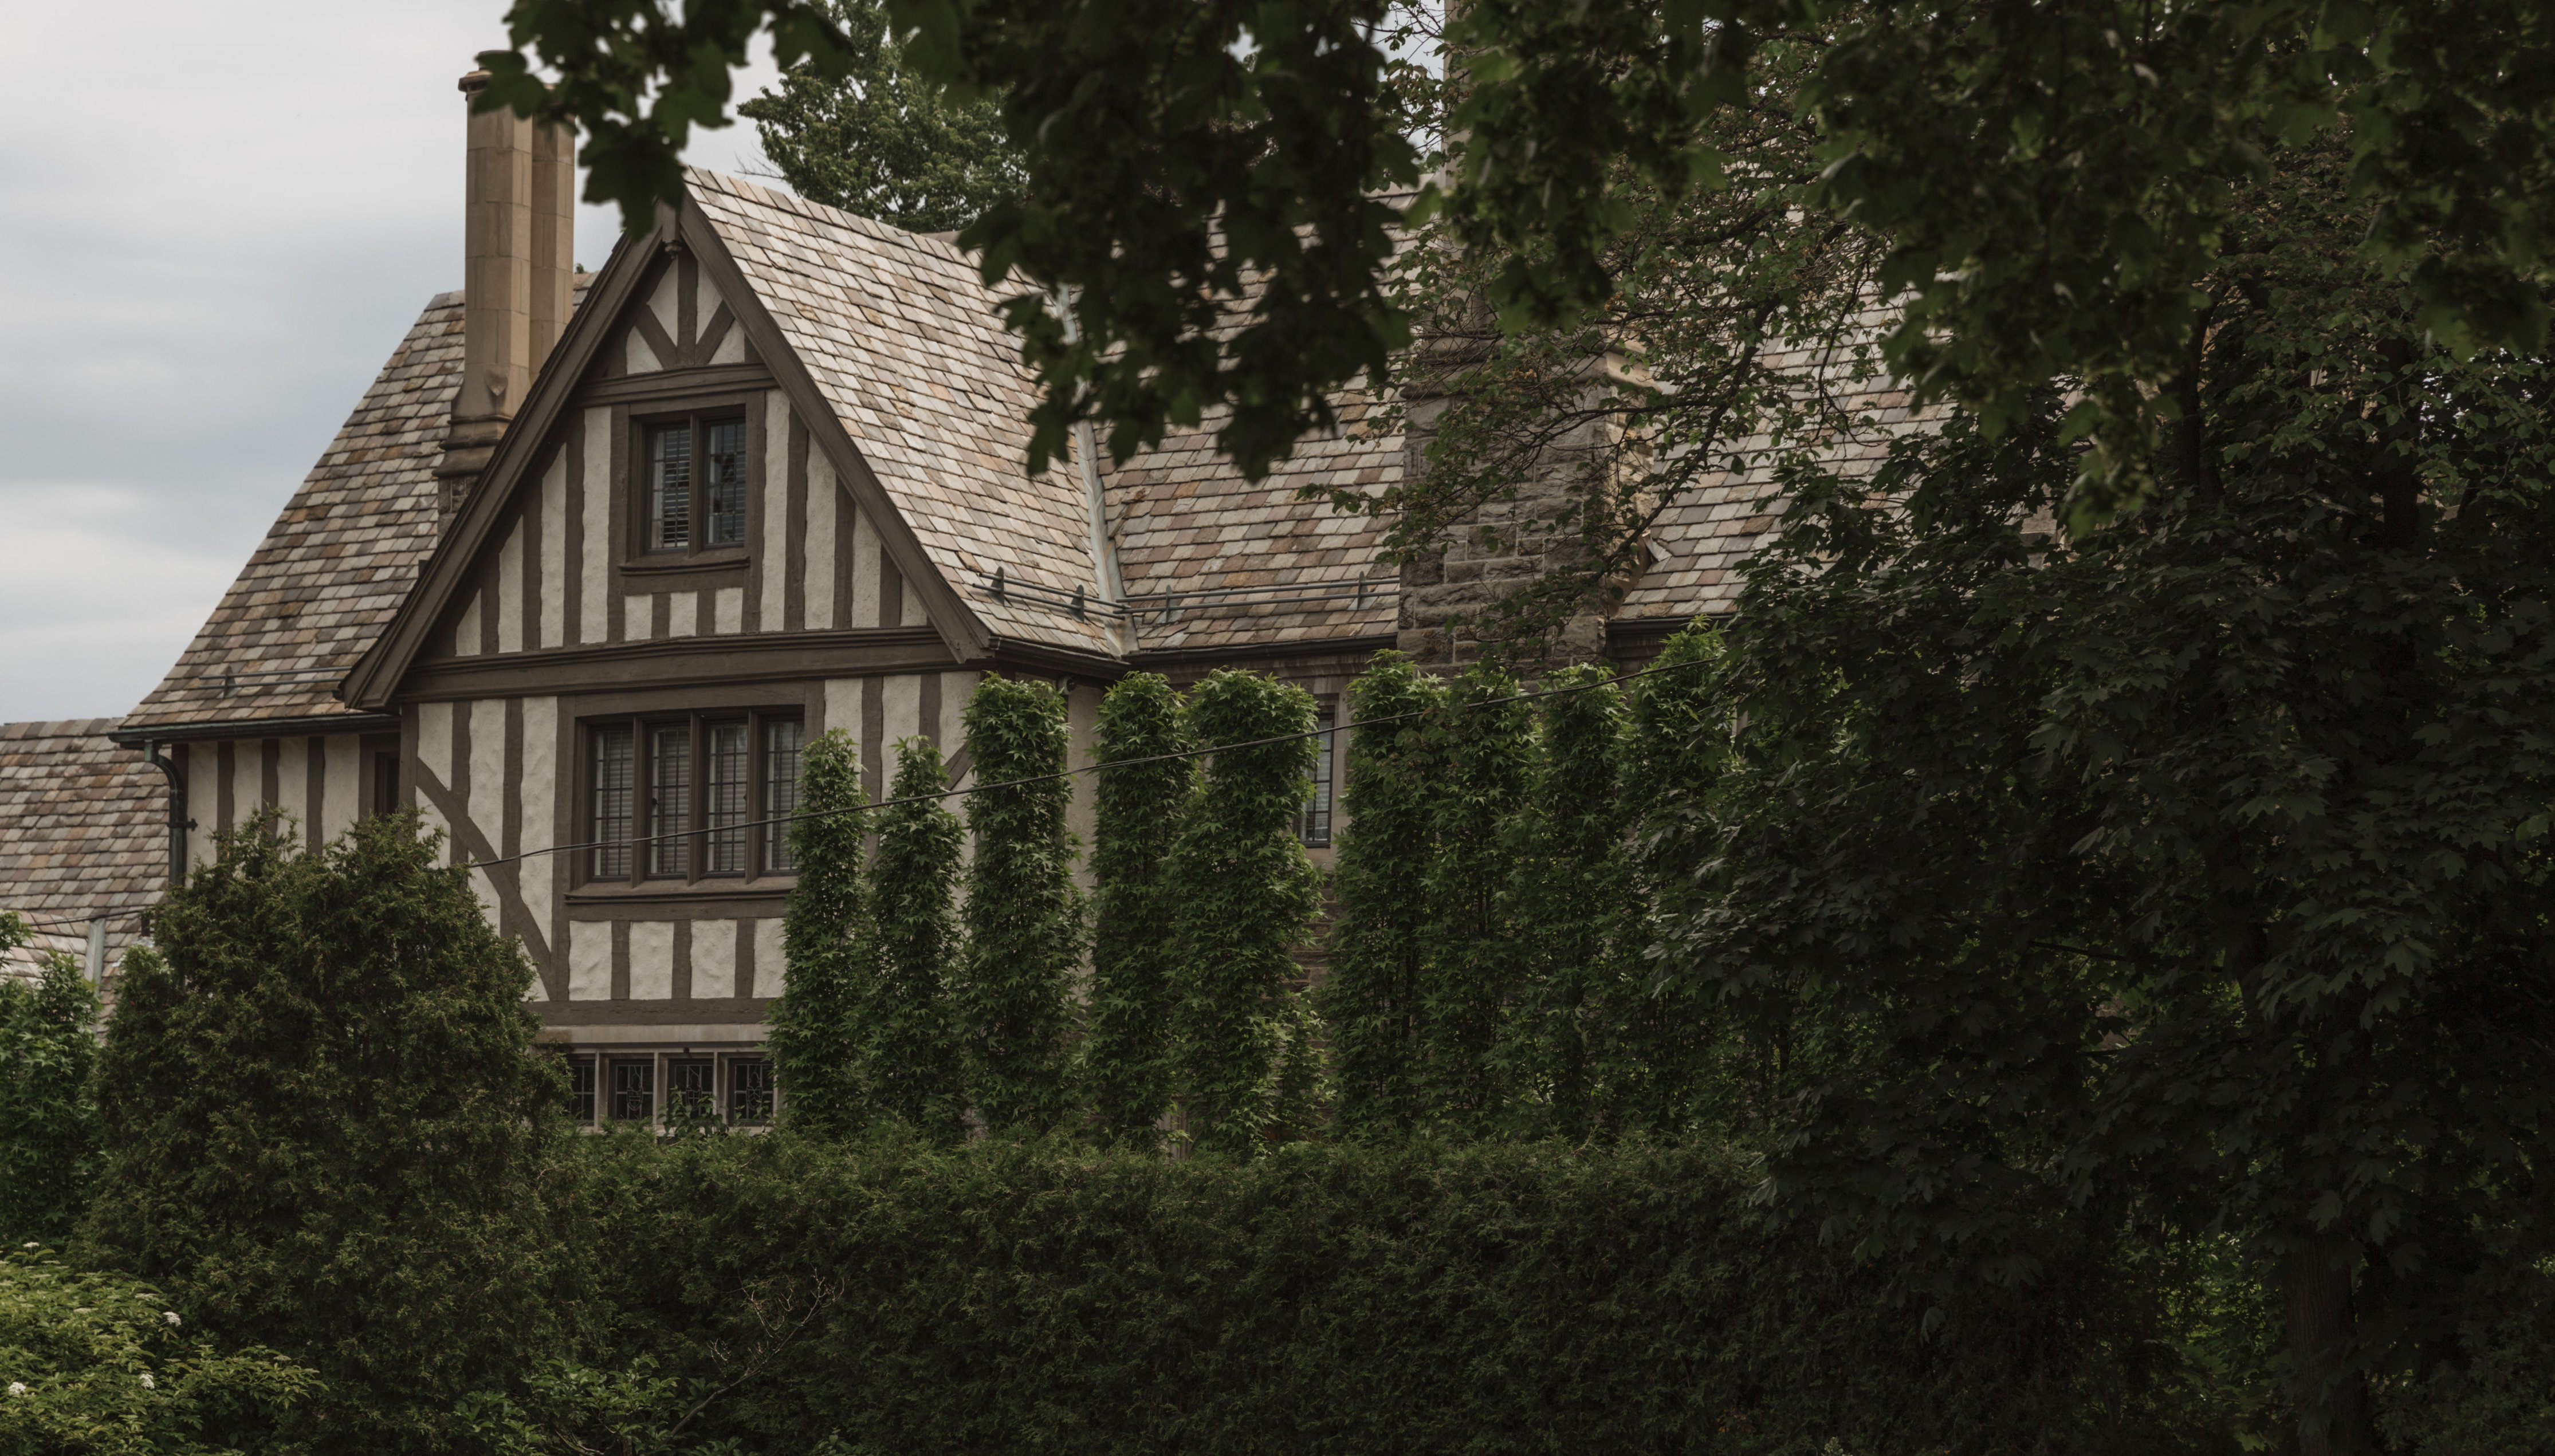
{"x":214,"y":241}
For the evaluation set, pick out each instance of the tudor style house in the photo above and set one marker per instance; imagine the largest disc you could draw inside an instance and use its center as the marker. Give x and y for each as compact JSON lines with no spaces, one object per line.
{"x":596,"y":556}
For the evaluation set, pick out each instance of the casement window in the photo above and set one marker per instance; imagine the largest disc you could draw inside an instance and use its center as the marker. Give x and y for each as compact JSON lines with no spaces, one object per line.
{"x":694,"y":486}
{"x":691,"y":1089}
{"x":634,"y":1089}
{"x":580,"y":1089}
{"x":686,"y":796}
{"x":749,"y":1090}
{"x":1314,"y":821}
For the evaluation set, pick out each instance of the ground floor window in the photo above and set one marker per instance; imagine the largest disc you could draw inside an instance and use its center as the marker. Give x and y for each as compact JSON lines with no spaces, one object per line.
{"x":749,"y":1090}
{"x":687,"y":1087}
{"x":634,"y":1089}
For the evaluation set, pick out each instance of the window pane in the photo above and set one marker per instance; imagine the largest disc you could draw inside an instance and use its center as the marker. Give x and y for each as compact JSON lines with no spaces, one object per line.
{"x":611,"y":833}
{"x":691,"y":1089}
{"x":749,"y":1091}
{"x":1315,"y":824}
{"x":727,"y":483}
{"x":670,"y":800}
{"x":580,"y":1088}
{"x":728,"y":799}
{"x":782,"y":740}
{"x":669,"y":488}
{"x":634,"y":1091}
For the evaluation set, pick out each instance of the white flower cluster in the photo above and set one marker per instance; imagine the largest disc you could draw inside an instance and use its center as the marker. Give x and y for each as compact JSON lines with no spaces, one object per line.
{"x":148,"y":1383}
{"x":17,"y":1388}
{"x":170,"y":1315}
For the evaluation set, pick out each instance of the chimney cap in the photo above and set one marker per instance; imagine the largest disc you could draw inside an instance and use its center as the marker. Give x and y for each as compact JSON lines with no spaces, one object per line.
{"x":473,"y":82}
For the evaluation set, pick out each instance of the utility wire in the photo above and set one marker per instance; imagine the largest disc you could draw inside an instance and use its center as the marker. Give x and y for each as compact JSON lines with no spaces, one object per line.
{"x":1159,"y":758}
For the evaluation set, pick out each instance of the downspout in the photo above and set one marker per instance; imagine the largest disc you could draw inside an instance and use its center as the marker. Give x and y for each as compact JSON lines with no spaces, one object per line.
{"x":1095,"y":504}
{"x":178,"y":824}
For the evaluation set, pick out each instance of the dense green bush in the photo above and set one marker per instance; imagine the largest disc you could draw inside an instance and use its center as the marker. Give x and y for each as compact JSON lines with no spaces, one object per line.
{"x":1007,"y":1296}
{"x":1126,"y":1061}
{"x":101,"y":1365}
{"x":830,"y":946}
{"x":912,"y":1050}
{"x":1024,"y":918}
{"x":47,"y":1118}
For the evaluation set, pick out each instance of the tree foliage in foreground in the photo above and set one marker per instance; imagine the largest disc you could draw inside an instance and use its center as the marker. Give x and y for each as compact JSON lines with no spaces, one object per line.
{"x":912,"y":1056}
{"x":2049,"y":182}
{"x":324,"y":1122}
{"x":2194,"y":875}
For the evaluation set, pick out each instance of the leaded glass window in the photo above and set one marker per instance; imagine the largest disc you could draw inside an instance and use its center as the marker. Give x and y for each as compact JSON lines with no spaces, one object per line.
{"x":782,"y":739}
{"x":729,"y":799}
{"x":727,"y":483}
{"x":580,"y":1088}
{"x":1314,"y":823}
{"x":669,"y":801}
{"x":613,"y":778}
{"x":691,"y":1089}
{"x":670,"y":489}
{"x":749,"y":1090}
{"x":633,"y":1090}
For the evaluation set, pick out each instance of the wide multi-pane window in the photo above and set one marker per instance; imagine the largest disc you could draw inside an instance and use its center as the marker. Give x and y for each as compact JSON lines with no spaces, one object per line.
{"x":727,"y":483}
{"x":749,"y":1090}
{"x":783,"y":741}
{"x":614,"y":757}
{"x":669,"y":488}
{"x":1313,"y":823}
{"x":669,"y":802}
{"x":728,"y":798}
{"x":691,"y":796}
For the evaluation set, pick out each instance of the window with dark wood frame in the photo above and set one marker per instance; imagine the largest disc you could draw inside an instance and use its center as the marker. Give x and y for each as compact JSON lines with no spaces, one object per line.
{"x":691,"y":485}
{"x":1314,"y":823}
{"x":673,"y":795}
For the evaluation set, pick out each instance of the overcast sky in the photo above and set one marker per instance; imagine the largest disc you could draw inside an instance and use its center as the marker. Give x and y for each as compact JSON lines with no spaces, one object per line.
{"x":222,"y":219}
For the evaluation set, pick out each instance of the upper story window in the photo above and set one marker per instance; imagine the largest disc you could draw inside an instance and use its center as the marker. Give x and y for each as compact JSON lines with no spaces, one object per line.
{"x":687,"y":796}
{"x":695,"y":486}
{"x":1314,"y":821}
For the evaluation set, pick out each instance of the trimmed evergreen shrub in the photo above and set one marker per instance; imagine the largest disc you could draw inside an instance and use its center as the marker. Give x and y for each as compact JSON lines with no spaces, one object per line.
{"x":1371,"y":999}
{"x":1570,"y":899}
{"x":48,"y":1116}
{"x":1023,"y":916}
{"x":830,"y":945}
{"x":326,"y":1123}
{"x":1243,"y":896}
{"x":1469,"y":954}
{"x":1126,"y":1062}
{"x":1662,"y":1029}
{"x":1340,"y":1298}
{"x":913,"y":1070}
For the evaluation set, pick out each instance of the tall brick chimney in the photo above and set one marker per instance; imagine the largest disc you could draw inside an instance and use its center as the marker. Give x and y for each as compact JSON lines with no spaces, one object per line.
{"x":518,"y":251}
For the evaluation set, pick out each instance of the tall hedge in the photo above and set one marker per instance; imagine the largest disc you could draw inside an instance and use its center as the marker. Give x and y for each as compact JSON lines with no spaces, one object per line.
{"x":912,"y":1056}
{"x":1660,"y":1031}
{"x":1023,"y":916}
{"x":327,"y":1128}
{"x":1571,"y":896}
{"x":1371,"y":999}
{"x":829,"y":943}
{"x":1127,"y":1065}
{"x":1469,"y":952}
{"x":1243,"y":896}
{"x":1345,"y":1299}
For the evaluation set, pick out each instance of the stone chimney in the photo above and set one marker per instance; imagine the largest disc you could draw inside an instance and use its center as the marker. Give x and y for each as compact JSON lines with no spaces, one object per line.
{"x":519,"y":250}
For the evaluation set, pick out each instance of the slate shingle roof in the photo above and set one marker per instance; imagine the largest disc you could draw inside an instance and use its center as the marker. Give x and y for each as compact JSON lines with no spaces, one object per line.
{"x":903,"y":342}
{"x":83,"y":832}
{"x":1186,"y":521}
{"x":340,"y":558}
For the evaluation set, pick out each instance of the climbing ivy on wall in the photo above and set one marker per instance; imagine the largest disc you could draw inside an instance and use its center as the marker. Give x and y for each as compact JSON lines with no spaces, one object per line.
{"x":1024,"y":916}
{"x":830,"y":945}
{"x":1243,"y":896}
{"x":1127,"y":1061}
{"x":911,"y":1048}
